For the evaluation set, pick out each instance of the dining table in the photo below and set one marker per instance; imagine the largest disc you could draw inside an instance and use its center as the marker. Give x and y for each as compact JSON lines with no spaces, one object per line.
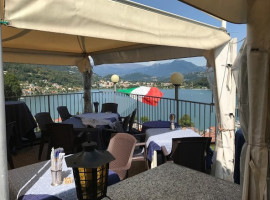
{"x":19,"y":112}
{"x":34,"y":182}
{"x":167,"y":181}
{"x":172,"y":181}
{"x":94,"y":120}
{"x":157,"y":137}
{"x":93,"y":124}
{"x":157,"y":124}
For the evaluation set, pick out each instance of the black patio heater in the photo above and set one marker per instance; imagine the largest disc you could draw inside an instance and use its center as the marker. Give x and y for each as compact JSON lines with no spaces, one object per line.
{"x":90,"y":170}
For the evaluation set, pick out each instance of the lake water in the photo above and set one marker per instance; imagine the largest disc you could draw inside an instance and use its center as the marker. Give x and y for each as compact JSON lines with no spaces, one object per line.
{"x":202,"y":115}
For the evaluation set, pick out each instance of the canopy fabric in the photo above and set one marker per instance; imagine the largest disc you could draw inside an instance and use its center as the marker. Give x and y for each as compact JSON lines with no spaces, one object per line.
{"x":234,"y":11}
{"x":254,"y":89}
{"x":110,"y":31}
{"x":225,"y":91}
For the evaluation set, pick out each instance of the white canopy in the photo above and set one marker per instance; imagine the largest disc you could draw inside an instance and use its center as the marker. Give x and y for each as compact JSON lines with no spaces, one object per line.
{"x":234,"y":11}
{"x":254,"y":88}
{"x":66,"y":32}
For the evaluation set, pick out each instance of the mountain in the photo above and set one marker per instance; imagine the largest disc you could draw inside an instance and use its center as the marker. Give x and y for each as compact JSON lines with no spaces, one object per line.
{"x":119,"y":69}
{"x":156,"y":70}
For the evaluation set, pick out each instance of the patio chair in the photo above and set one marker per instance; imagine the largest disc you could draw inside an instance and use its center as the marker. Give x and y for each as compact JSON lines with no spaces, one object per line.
{"x":189,"y":152}
{"x":131,"y":121}
{"x":109,"y":107}
{"x":63,"y":112}
{"x":122,"y":146}
{"x":62,"y":135}
{"x":10,"y":128}
{"x":42,"y":119}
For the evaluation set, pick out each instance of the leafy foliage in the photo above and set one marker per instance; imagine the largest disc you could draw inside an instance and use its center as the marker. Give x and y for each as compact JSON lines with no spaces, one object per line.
{"x":12,"y":86}
{"x":144,"y":119}
{"x":185,"y":121}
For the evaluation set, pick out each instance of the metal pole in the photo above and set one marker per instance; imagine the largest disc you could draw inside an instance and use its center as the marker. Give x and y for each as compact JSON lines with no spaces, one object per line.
{"x":114,"y":85}
{"x":4,"y":194}
{"x":177,"y":103}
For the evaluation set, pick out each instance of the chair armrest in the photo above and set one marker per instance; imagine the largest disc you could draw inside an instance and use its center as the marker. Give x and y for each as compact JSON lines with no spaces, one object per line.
{"x":165,"y":154}
{"x":164,"y":151}
{"x":140,"y":144}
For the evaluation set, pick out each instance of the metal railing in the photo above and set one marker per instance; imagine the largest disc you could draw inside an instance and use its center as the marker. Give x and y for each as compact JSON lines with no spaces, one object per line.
{"x":201,"y":116}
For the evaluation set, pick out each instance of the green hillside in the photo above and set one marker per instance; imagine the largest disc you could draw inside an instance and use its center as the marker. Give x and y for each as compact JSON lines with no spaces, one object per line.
{"x":41,"y":75}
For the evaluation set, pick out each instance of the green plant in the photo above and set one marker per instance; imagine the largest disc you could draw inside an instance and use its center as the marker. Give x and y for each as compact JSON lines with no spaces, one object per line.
{"x":185,"y":121}
{"x":144,"y":119}
{"x":12,"y":87}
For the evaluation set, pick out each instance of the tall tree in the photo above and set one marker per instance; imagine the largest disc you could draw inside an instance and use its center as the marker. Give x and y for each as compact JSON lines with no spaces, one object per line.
{"x":12,"y":87}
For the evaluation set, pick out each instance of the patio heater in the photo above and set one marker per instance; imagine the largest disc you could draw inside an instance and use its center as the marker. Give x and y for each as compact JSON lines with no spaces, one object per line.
{"x":90,"y":171}
{"x":177,"y":79}
{"x":114,"y":79}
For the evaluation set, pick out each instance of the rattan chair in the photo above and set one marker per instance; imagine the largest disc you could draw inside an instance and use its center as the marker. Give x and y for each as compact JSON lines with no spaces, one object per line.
{"x":189,"y":152}
{"x":109,"y":107}
{"x":122,"y":146}
{"x":62,"y":135}
{"x":42,"y":120}
{"x":63,"y":112}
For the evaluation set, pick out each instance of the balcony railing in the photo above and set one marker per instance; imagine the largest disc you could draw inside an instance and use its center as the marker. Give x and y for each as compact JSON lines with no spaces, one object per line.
{"x":202,"y":115}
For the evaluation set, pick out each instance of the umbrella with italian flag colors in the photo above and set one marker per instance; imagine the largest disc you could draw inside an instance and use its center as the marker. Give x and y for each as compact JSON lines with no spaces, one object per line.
{"x":148,"y":95}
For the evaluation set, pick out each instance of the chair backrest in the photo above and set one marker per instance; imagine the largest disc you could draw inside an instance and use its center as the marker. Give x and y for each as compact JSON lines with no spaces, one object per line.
{"x":131,"y":120}
{"x":61,"y":135}
{"x":121,"y":146}
{"x":125,"y":123}
{"x":190,"y":152}
{"x":43,"y":118}
{"x":63,"y":112}
{"x":109,"y":107}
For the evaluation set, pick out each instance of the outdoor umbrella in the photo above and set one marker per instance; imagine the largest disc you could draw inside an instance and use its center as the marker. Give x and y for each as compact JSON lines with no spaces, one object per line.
{"x":148,"y":95}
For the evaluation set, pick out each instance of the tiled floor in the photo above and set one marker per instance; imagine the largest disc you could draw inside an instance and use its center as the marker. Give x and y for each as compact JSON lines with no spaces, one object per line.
{"x":29,"y":155}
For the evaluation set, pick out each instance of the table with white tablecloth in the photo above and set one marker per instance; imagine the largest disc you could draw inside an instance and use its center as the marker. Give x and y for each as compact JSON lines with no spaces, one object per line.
{"x":157,"y":137}
{"x":35,"y":180}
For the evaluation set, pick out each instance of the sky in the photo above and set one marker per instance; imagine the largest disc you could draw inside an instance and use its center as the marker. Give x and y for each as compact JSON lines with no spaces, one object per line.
{"x":174,"y":6}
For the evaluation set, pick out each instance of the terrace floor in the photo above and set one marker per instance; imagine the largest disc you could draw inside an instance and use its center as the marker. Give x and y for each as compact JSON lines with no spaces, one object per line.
{"x":29,"y":155}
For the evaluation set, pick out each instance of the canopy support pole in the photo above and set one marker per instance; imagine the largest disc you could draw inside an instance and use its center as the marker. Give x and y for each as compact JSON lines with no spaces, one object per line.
{"x":4,"y":193}
{"x":87,"y":78}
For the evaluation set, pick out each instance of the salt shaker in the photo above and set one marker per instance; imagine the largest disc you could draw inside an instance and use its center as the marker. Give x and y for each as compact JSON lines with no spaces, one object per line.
{"x":172,"y":118}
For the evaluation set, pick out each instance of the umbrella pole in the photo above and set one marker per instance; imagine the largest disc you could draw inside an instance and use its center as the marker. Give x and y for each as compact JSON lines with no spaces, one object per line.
{"x":3,"y":147}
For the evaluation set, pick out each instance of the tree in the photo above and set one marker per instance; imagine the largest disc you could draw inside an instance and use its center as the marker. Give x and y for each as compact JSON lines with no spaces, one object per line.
{"x":12,"y":87}
{"x":185,"y":121}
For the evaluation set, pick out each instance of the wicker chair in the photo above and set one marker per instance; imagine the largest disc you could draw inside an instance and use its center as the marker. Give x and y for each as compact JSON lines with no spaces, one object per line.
{"x":122,"y":146}
{"x":43,"y":119}
{"x":109,"y":107}
{"x":62,"y":135}
{"x":63,"y":112}
{"x":189,"y":152}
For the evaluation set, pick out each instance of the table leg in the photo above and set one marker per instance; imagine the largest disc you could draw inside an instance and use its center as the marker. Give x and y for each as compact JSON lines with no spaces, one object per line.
{"x":154,"y":160}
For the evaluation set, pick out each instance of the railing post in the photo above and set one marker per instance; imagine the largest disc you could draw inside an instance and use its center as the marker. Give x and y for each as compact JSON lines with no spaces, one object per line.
{"x":49,"y":104}
{"x":177,"y":103}
{"x":137,"y":110}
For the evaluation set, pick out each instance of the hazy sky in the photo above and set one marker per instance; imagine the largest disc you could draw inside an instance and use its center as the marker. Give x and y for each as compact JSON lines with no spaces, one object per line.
{"x":176,"y":7}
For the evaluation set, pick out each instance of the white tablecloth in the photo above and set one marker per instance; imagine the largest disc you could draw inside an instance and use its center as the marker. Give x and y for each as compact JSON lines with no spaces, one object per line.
{"x":164,"y":136}
{"x":36,"y":179}
{"x":95,"y":119}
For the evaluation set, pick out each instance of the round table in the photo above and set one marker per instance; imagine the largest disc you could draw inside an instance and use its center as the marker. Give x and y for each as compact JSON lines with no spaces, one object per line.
{"x":157,"y":124}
